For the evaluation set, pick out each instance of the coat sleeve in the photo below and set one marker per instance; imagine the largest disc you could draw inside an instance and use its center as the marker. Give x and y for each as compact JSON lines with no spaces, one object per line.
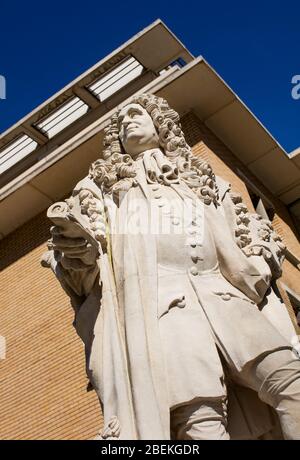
{"x":254,"y":235}
{"x":81,"y":215}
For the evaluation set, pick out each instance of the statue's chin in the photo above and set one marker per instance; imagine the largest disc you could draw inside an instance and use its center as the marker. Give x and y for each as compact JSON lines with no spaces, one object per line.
{"x":136,"y":144}
{"x":143,"y":147}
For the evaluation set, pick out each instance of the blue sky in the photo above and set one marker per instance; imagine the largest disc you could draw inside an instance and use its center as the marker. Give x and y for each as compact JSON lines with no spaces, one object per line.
{"x":254,"y":46}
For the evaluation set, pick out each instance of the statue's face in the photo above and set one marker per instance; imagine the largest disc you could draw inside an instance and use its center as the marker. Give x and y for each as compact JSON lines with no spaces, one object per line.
{"x":136,"y":130}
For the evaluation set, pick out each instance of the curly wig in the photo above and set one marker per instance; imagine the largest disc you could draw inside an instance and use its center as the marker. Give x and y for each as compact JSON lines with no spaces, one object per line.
{"x":116,"y":170}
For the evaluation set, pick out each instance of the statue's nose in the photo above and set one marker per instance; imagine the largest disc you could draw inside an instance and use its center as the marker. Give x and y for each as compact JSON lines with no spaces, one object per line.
{"x":126,"y":120}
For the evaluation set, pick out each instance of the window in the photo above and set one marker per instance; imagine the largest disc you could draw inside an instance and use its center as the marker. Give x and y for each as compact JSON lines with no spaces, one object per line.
{"x":179,"y":62}
{"x":63,"y":117}
{"x":2,"y":347}
{"x":16,"y":151}
{"x":115,"y":79}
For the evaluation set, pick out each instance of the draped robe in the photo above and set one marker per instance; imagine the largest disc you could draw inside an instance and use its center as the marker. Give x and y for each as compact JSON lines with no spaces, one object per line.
{"x":152,"y":325}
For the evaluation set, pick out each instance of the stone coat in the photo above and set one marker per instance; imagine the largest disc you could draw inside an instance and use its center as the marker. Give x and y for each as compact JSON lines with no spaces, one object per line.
{"x":167,"y":303}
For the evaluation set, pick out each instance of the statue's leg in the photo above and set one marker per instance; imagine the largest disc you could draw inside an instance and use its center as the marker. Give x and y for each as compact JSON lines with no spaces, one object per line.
{"x":200,"y":420}
{"x":276,"y":378}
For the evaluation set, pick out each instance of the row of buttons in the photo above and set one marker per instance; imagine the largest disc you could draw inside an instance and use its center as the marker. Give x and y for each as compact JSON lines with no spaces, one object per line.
{"x":191,"y":231}
{"x":194,"y":253}
{"x":158,"y":196}
{"x":175,"y":220}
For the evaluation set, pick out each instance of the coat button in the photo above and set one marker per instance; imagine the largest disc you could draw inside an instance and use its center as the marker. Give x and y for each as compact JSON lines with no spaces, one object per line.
{"x":225,"y":296}
{"x":175,"y":221}
{"x":157,"y":197}
{"x":194,"y":271}
{"x":155,"y":188}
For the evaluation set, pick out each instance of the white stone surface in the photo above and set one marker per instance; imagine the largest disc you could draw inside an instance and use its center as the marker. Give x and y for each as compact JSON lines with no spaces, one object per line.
{"x":167,"y":270}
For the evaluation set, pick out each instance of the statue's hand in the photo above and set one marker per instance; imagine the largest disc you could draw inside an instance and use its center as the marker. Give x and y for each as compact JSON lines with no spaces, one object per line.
{"x":74,"y":253}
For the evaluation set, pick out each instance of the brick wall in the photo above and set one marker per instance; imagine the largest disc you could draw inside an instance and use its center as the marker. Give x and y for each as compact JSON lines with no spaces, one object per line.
{"x":42,"y":380}
{"x":227,"y":165}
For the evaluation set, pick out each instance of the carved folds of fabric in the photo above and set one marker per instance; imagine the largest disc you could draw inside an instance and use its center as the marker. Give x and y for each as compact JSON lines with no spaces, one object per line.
{"x":273,"y":246}
{"x":94,"y":209}
{"x":256,"y":236}
{"x":200,"y":178}
{"x":242,"y":231}
{"x":115,"y":174}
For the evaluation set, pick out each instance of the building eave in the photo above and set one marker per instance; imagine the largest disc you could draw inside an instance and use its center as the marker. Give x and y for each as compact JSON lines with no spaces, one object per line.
{"x":154,"y":47}
{"x":195,"y":87}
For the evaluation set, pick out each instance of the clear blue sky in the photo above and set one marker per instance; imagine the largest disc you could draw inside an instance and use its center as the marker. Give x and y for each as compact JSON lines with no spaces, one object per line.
{"x":254,"y":46}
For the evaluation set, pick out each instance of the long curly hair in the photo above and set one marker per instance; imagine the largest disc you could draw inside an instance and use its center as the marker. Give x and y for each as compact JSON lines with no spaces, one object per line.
{"x":115,"y":172}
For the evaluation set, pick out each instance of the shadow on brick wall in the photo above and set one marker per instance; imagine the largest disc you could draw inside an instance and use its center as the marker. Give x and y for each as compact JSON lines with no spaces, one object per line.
{"x":23,"y":240}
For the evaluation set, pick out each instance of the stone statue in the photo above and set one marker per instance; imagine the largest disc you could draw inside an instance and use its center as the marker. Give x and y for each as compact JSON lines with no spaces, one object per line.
{"x":170,"y":279}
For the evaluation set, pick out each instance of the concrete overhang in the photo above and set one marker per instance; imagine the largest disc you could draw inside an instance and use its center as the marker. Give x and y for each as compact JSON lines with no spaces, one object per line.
{"x":295,"y":156}
{"x":201,"y":89}
{"x":195,"y":87}
{"x":155,"y":47}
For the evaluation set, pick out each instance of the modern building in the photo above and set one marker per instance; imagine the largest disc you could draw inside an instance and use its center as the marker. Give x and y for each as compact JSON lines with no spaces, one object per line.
{"x":44,"y":392}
